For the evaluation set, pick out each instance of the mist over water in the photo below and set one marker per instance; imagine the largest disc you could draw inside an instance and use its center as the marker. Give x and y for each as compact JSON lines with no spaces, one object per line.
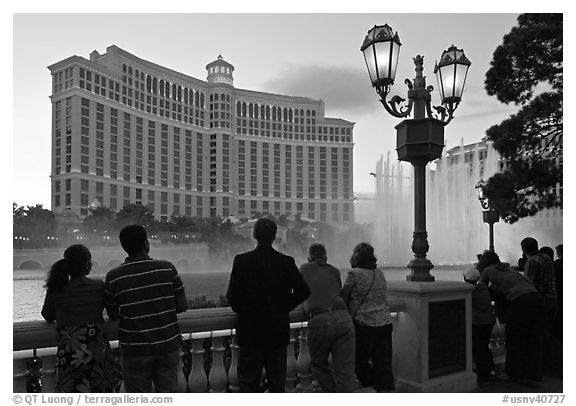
{"x":456,"y":231}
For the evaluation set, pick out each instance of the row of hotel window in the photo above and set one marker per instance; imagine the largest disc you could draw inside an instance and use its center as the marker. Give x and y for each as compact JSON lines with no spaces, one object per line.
{"x":216,"y":205}
{"x":64,"y":79}
{"x":139,"y":144}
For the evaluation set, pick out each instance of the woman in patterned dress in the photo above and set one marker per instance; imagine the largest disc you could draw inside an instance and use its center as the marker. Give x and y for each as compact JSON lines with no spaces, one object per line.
{"x":75,"y":302}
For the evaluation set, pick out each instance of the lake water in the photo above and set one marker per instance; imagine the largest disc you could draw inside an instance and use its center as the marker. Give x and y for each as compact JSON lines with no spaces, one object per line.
{"x":28,"y":293}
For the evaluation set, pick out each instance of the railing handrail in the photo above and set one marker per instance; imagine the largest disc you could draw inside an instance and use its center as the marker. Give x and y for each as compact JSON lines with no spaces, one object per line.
{"x":40,"y":334}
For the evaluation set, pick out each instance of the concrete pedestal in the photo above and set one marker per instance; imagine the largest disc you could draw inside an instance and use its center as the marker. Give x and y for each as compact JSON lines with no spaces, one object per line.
{"x":433,"y":337}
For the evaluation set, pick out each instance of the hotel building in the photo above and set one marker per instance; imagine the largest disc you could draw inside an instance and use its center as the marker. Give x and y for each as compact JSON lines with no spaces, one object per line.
{"x":126,"y":130}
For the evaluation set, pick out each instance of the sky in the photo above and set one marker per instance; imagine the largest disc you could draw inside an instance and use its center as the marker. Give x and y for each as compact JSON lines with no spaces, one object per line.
{"x":312,"y":55}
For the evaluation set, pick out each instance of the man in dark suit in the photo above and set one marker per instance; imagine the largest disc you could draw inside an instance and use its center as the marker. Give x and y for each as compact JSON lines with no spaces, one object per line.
{"x":264,"y":287}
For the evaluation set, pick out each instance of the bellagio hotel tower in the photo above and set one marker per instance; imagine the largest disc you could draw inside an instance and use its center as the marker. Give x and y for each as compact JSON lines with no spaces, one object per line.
{"x":126,"y":130}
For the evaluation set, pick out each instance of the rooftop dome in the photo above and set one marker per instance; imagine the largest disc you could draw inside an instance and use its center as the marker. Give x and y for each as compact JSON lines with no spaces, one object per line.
{"x":220,"y":71}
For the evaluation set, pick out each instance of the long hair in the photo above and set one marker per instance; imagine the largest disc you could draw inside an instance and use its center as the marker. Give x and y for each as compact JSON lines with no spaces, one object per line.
{"x":76,"y":262}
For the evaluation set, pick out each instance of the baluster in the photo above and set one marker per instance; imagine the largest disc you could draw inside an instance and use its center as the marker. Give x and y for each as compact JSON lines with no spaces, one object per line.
{"x":303,"y":361}
{"x":34,"y":374}
{"x":118,"y":378}
{"x":198,"y":381}
{"x":497,"y":344}
{"x":291,"y":367}
{"x":182,"y":379}
{"x":19,"y":377}
{"x":48,"y":368}
{"x":218,"y":378}
{"x":186,"y":359}
{"x":233,"y":371}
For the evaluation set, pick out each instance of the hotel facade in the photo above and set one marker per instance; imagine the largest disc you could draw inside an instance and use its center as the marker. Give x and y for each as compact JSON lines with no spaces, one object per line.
{"x":126,"y":130}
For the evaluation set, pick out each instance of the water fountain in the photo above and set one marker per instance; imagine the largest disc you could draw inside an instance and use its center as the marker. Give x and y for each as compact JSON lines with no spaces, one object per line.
{"x":456,"y":231}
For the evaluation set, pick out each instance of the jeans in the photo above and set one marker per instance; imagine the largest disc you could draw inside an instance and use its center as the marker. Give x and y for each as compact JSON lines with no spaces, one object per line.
{"x":141,"y":371}
{"x":332,"y":333}
{"x":375,"y":344}
{"x":252,"y":359}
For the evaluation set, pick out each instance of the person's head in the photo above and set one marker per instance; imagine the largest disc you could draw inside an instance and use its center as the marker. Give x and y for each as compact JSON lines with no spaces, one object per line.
{"x":363,"y":256}
{"x":529,"y":246}
{"x":547,"y":251}
{"x":77,"y":262}
{"x":471,"y":275}
{"x":521,"y":263}
{"x":134,"y":239}
{"x":317,"y":253}
{"x":264,"y":231}
{"x":559,"y":250}
{"x":488,"y":258}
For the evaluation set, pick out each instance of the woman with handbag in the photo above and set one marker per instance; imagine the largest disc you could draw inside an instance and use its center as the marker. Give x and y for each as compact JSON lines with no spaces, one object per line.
{"x":364,"y":291}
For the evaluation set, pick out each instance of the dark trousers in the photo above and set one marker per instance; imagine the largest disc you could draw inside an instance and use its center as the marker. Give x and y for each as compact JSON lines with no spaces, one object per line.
{"x":141,"y":371}
{"x":374,"y":344}
{"x":552,"y":346}
{"x":525,"y":325}
{"x":481,"y":353}
{"x":252,"y":359}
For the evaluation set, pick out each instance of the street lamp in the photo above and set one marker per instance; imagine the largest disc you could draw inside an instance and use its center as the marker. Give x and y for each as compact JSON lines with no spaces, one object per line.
{"x":489,"y":214}
{"x":419,"y":139}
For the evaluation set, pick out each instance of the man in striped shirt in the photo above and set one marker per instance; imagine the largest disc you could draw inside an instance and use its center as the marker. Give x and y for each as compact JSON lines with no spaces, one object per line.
{"x":145,"y":294}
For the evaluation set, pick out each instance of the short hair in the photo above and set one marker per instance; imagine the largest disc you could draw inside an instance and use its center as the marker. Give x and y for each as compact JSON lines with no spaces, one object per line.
{"x":133,"y":238}
{"x":547,"y":251}
{"x":317,"y":251}
{"x":559,"y":249}
{"x":265,"y":230}
{"x":529,"y":245}
{"x":363,"y":256}
{"x":488,"y":258}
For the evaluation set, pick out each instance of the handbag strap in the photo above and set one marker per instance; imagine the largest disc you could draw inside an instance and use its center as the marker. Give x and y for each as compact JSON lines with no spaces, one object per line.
{"x":366,"y":295}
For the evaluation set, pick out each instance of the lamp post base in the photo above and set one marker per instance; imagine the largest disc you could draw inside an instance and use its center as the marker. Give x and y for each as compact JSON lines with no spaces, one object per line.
{"x":420,"y":270}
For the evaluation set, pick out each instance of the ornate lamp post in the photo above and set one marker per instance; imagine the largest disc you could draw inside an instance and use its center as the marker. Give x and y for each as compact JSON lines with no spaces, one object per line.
{"x":420,"y":139}
{"x":489,"y":214}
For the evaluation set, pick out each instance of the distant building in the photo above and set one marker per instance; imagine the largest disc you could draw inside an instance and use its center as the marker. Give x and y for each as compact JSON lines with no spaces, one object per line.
{"x":476,"y":154}
{"x":126,"y":130}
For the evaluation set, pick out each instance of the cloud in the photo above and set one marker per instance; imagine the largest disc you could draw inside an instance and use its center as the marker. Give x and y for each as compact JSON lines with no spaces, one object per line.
{"x":345,"y":91}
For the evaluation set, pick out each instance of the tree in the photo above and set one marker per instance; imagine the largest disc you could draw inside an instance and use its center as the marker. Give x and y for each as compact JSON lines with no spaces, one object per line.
{"x":135,"y":214}
{"x":100,"y":219}
{"x":34,"y":222}
{"x":527,"y":69}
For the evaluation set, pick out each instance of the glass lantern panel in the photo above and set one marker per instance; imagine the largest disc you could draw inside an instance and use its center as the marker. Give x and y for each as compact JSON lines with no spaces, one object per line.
{"x":461,"y":72}
{"x":394,"y":59}
{"x":447,"y":73}
{"x":382,"y":50}
{"x":371,"y":63}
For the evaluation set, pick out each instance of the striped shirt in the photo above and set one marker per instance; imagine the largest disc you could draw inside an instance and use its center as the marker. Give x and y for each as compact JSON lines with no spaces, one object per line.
{"x":142,"y":294}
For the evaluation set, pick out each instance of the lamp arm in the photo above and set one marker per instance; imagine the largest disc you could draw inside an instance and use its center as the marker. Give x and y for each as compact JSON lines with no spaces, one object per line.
{"x":392,"y":105}
{"x":444,"y":113}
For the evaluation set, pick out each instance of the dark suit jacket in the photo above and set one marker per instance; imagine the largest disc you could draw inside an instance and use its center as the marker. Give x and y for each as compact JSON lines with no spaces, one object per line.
{"x":264,"y":287}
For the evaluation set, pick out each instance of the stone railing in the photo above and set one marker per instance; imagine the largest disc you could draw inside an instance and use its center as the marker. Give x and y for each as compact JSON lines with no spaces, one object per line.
{"x":209,"y":353}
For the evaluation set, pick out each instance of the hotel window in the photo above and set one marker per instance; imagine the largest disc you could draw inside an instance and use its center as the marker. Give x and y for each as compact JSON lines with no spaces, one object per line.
{"x":334,"y":209}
